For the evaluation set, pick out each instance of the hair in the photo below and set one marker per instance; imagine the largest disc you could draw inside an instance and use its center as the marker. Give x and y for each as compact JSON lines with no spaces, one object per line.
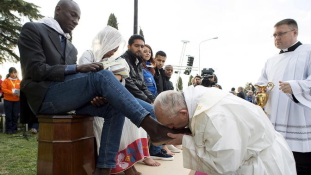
{"x":198,"y":76}
{"x":167,"y":66}
{"x":170,"y":102}
{"x":151,"y":61}
{"x":233,"y":89}
{"x":11,"y":70}
{"x":161,"y":53}
{"x":288,"y":21}
{"x":134,"y":37}
{"x":219,"y":86}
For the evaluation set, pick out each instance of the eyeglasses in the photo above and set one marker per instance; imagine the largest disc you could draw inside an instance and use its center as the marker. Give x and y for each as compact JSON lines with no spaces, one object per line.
{"x":281,"y":33}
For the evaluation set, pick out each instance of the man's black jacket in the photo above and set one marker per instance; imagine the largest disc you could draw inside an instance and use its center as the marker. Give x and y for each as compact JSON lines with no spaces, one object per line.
{"x":135,"y":83}
{"x":160,"y":73}
{"x":169,"y":84}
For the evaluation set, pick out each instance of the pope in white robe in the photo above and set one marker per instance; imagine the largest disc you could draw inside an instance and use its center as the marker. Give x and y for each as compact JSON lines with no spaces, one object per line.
{"x":229,"y":135}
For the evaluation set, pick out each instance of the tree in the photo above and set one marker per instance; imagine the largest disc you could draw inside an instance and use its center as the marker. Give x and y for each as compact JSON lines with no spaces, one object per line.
{"x":141,"y":33}
{"x":190,"y":82}
{"x":112,"y":21}
{"x":10,"y":25}
{"x":179,"y":84}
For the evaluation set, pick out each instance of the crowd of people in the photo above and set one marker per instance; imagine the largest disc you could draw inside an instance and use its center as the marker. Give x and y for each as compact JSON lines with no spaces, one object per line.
{"x":248,"y":93}
{"x":133,"y":96}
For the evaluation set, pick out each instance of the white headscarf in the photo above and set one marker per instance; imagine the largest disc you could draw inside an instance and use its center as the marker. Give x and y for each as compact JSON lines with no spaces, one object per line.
{"x":51,"y":22}
{"x":106,"y":40}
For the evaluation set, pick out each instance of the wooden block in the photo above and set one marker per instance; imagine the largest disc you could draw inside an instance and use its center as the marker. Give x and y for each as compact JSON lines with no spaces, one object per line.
{"x":66,"y":145}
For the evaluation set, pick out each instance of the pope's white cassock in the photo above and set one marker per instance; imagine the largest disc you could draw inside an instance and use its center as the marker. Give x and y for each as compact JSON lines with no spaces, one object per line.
{"x":292,"y":120}
{"x":232,"y":136}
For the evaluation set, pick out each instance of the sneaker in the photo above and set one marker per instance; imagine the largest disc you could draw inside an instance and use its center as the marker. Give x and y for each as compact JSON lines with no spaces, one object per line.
{"x":173,"y":149}
{"x":164,"y":151}
{"x":162,"y":156}
{"x":33,"y":130}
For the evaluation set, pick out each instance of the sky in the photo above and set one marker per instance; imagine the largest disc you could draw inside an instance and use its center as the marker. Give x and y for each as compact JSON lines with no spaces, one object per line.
{"x":244,"y":29}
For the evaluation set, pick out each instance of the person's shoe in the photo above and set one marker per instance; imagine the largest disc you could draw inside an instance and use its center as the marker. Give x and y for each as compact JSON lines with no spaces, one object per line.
{"x":158,"y":132}
{"x":33,"y":130}
{"x":173,"y":149}
{"x":162,"y":156}
{"x":163,"y":150}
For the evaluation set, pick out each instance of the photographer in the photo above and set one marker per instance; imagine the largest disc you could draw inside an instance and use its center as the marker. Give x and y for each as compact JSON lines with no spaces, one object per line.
{"x":209,"y":78}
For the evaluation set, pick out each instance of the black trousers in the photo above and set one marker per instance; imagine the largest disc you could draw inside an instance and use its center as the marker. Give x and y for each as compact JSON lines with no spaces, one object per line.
{"x":303,"y":163}
{"x":11,"y":109}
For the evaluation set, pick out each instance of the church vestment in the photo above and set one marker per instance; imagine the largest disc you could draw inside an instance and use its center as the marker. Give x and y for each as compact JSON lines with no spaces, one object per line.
{"x":290,"y":118}
{"x":232,"y":136}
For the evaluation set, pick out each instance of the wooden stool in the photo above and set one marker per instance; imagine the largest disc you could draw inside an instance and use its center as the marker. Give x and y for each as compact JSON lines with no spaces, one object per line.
{"x":66,"y":145}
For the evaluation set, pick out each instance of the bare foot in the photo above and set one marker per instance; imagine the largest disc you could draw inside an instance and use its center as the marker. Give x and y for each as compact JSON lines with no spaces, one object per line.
{"x":169,"y":152}
{"x":129,"y":171}
{"x":149,"y":161}
{"x":178,"y":146}
{"x":132,"y":171}
{"x":136,"y":172}
{"x":158,"y":132}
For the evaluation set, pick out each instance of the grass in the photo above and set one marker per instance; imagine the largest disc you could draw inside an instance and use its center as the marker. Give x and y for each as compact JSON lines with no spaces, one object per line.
{"x":18,"y":156}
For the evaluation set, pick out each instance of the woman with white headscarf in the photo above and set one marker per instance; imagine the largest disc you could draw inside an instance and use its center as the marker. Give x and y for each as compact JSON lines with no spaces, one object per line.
{"x":134,"y":145}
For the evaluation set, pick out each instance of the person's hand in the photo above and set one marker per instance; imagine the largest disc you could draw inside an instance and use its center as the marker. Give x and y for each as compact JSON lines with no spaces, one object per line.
{"x":94,"y":67}
{"x":259,"y":90}
{"x":285,"y":87}
{"x":119,"y":77}
{"x":177,"y":139}
{"x":99,"y":101}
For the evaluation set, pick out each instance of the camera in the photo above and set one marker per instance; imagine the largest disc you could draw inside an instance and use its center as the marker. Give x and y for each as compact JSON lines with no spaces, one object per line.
{"x":206,"y":75}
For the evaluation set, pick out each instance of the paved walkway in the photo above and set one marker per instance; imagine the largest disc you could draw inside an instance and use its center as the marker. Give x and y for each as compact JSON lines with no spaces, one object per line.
{"x":174,"y":167}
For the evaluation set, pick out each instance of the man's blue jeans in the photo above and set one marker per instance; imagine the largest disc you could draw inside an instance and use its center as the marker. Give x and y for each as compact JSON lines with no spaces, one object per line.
{"x":76,"y":92}
{"x":153,"y":150}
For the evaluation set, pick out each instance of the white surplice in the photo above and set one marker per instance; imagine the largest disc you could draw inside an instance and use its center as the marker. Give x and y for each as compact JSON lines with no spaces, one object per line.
{"x":292,"y":120}
{"x":232,"y":136}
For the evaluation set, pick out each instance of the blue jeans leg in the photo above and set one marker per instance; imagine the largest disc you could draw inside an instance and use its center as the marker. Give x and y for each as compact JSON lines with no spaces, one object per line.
{"x":76,"y":92}
{"x":147,"y":106}
{"x":111,"y":133}
{"x":152,"y":149}
{"x":15,"y":115}
{"x":8,"y":109}
{"x":11,"y":115}
{"x":79,"y":89}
